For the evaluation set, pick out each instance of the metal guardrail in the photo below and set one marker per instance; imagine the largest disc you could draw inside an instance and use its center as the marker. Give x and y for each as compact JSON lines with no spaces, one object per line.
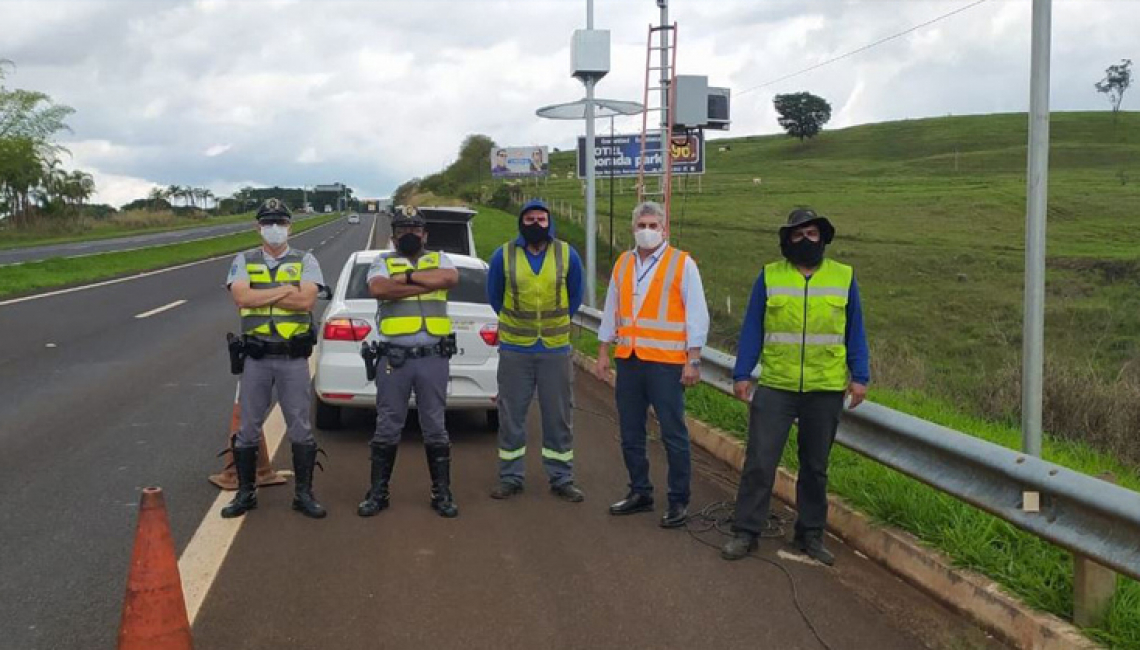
{"x":1085,"y":515}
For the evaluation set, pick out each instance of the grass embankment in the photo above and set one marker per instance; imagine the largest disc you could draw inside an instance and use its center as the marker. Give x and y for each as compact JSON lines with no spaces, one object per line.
{"x":60,"y":272}
{"x":124,"y":224}
{"x":1037,"y":572}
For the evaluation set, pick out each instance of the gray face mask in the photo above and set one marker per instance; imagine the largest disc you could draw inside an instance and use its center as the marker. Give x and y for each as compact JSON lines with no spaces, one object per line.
{"x":275,"y":235}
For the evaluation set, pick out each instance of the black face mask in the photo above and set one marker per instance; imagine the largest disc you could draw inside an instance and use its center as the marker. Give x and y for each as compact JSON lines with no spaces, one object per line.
{"x":409,"y":244}
{"x":805,"y":252}
{"x":534,"y":233}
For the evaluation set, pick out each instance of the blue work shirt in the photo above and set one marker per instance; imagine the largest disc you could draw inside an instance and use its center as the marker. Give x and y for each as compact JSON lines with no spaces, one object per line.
{"x":752,"y":335}
{"x":497,"y":286}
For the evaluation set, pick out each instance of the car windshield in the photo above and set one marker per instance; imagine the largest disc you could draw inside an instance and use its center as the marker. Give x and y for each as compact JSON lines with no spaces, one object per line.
{"x":472,"y":285}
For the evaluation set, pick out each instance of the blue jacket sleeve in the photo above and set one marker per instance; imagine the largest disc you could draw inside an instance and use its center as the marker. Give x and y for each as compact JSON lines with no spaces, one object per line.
{"x":751,"y":332}
{"x":496,"y":281}
{"x":858,"y":354}
{"x":575,"y":280}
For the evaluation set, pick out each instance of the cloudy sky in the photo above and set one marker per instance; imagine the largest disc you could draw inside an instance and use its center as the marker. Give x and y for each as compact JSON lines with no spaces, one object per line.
{"x":224,"y":93}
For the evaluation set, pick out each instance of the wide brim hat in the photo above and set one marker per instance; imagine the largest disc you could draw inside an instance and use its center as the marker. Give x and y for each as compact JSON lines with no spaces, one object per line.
{"x":804,"y":217}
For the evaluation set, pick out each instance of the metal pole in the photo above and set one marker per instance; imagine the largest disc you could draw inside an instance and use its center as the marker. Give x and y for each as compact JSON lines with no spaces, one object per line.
{"x":1033,"y":346}
{"x":591,"y":216}
{"x":666,"y":76}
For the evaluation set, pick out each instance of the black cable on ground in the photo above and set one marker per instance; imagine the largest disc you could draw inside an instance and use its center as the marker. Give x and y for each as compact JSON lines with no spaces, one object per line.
{"x":718,"y":516}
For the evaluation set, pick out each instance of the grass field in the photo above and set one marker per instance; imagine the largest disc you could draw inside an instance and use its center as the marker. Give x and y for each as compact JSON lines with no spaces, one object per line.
{"x":931,"y":214}
{"x":1035,"y":571}
{"x":59,"y":272}
{"x":124,"y":224}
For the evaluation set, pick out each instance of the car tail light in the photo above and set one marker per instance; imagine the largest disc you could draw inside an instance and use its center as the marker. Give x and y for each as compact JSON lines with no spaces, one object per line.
{"x":346,"y":329}
{"x":490,"y":333}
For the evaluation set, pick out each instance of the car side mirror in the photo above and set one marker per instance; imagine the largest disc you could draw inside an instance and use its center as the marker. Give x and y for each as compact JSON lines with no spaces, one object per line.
{"x":324,"y":292}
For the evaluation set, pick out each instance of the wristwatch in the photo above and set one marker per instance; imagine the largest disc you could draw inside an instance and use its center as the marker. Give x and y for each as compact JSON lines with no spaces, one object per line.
{"x":408,"y":276}
{"x":695,"y":362}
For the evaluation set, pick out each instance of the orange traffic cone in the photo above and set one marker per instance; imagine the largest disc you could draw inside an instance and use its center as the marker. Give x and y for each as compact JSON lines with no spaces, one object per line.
{"x":154,"y":610}
{"x":227,"y":478}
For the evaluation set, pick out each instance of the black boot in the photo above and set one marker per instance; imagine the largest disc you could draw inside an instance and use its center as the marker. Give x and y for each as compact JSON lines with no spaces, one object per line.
{"x":245,"y":462}
{"x":304,"y":459}
{"x":376,"y":499}
{"x":439,"y":465}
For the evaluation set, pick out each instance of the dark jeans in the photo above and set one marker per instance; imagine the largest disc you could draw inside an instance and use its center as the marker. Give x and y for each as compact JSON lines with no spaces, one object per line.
{"x":639,"y":385}
{"x":769,"y":421}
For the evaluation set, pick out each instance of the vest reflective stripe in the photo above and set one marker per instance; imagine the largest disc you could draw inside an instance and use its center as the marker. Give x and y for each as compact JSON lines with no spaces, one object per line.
{"x":271,"y":322}
{"x":560,"y":456}
{"x":427,"y":312}
{"x":536,"y":306}
{"x":657,"y":331}
{"x":505,"y":454}
{"x":805,"y":324}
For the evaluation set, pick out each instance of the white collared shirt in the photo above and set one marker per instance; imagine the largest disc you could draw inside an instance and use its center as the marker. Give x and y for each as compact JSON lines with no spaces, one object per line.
{"x":692,"y":296}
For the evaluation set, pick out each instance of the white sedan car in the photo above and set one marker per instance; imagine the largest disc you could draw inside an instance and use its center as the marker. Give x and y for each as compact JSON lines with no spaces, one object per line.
{"x":350,"y":320}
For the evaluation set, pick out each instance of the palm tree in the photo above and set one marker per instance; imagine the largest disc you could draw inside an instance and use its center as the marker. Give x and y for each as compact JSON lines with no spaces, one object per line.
{"x":173,"y":192}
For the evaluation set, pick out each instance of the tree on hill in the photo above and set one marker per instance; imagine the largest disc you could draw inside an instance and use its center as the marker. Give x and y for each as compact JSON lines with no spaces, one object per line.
{"x":1117,"y":79}
{"x":802,"y":115}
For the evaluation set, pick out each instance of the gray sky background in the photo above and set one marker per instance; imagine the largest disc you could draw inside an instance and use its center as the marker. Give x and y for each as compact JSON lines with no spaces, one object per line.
{"x":223,"y":93}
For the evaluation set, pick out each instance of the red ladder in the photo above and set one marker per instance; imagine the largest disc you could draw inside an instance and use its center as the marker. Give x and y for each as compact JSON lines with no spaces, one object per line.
{"x":659,"y":41}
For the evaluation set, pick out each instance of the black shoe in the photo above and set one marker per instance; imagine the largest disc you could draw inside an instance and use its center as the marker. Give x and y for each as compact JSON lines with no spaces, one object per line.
{"x":439,"y":466}
{"x":506,"y":490}
{"x":376,"y":499}
{"x":634,"y":502}
{"x":811,"y":543}
{"x":569,"y":492}
{"x":245,"y":462}
{"x":739,"y":546}
{"x":304,"y":460}
{"x":675,"y":516}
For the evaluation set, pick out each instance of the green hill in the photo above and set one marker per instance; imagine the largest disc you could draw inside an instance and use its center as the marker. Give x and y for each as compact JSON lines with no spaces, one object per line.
{"x":931,"y":213}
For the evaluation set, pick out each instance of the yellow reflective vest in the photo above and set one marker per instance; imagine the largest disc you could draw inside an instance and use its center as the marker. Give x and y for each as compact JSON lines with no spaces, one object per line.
{"x":805,"y":323}
{"x":424,"y":313}
{"x":536,"y":306}
{"x":272,"y":322}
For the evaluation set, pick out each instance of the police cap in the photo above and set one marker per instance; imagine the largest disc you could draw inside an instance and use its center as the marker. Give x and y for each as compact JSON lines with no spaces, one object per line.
{"x":408,"y":217}
{"x":274,"y":209}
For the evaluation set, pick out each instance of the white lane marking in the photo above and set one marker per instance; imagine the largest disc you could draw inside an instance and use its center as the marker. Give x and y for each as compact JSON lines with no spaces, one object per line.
{"x":207,"y":550}
{"x":159,"y":310}
{"x":372,"y":232}
{"x":50,"y":345}
{"x":145,"y":274}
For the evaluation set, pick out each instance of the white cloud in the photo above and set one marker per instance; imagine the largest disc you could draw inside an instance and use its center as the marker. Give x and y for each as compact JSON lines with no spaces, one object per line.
{"x":372,"y":93}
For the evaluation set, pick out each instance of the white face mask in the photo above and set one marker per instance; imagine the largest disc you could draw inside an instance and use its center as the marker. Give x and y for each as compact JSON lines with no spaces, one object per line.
{"x":275,"y":235}
{"x":648,"y":239}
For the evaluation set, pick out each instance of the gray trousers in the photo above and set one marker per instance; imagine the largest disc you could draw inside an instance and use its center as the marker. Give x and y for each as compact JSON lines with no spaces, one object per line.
{"x":427,"y":376}
{"x":769,"y":422}
{"x":294,"y":392}
{"x":520,"y":374}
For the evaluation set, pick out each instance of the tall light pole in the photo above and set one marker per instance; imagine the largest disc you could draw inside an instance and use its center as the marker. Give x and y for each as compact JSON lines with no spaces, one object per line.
{"x":1033,"y":339}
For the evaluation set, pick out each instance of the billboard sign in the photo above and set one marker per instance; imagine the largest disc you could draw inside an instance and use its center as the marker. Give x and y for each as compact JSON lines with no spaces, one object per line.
{"x":519,"y":162}
{"x":335,"y":187}
{"x":622,"y":155}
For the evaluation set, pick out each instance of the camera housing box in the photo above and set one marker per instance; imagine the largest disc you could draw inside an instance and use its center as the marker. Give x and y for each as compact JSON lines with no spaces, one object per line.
{"x":590,"y":53}
{"x":719,"y":115}
{"x":691,"y":103}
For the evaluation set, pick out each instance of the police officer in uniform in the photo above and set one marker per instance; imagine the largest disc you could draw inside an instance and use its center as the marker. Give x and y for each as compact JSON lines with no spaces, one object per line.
{"x":275,"y":288}
{"x":411,"y":286}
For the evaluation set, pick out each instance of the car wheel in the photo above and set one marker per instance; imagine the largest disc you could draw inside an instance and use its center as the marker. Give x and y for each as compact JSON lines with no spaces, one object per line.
{"x":493,"y":419}
{"x":326,"y":416}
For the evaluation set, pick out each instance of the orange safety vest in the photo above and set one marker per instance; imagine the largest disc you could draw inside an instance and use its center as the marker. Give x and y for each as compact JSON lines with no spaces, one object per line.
{"x":657,"y":332}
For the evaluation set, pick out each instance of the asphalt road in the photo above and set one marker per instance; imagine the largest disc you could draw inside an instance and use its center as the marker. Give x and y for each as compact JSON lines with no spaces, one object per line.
{"x":75,"y":249}
{"x":98,"y":404}
{"x":534,"y":572}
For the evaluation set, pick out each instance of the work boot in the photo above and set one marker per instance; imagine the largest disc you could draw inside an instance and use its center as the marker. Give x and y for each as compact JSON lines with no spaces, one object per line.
{"x":304,"y":459}
{"x":739,"y":546}
{"x":439,"y":466}
{"x":383,"y":461}
{"x":506,"y":490}
{"x":811,"y":543}
{"x":245,"y":462}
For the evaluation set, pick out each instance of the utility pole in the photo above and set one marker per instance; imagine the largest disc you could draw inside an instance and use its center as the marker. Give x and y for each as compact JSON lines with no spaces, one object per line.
{"x":1033,"y":339}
